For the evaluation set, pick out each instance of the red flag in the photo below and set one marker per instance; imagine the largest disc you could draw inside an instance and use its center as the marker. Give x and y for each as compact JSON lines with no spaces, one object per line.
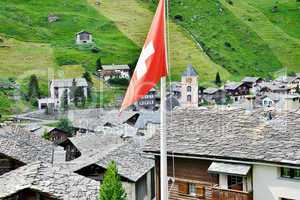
{"x":152,"y":64}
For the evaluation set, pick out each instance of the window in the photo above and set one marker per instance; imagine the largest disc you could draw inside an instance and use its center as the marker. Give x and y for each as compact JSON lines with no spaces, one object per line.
{"x":192,"y":189}
{"x":56,"y":92}
{"x":290,"y":173}
{"x":189,"y":88}
{"x":297,"y":173}
{"x":286,"y":172}
{"x":189,"y":98}
{"x":235,"y":183}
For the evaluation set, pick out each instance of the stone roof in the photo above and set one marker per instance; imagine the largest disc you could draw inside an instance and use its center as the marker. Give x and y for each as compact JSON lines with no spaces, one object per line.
{"x":53,"y":181}
{"x":211,"y":90}
{"x":115,"y":67}
{"x":147,"y":117}
{"x":274,"y":86}
{"x":89,"y":143}
{"x":96,"y":119}
{"x":66,"y":83}
{"x":272,"y":96}
{"x":232,"y":85}
{"x":82,"y":32}
{"x":286,"y":79}
{"x":233,"y":133}
{"x":250,"y":79}
{"x":24,"y":146}
{"x":190,"y":71}
{"x":130,"y":163}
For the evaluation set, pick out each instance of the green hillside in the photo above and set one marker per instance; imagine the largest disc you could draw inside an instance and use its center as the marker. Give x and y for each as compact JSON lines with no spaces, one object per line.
{"x":236,"y":37}
{"x":183,"y":49}
{"x":26,"y":20}
{"x":276,"y":35}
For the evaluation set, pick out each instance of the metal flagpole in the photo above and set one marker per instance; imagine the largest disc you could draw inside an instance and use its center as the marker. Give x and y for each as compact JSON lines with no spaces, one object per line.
{"x":163,"y":142}
{"x":163,"y":131}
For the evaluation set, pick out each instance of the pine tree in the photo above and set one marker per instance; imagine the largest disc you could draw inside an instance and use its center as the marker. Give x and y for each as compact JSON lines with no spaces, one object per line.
{"x":33,"y":88}
{"x":87,"y":77}
{"x":89,"y":80}
{"x":218,"y":80}
{"x":111,"y":187}
{"x":298,"y":89}
{"x":64,"y":101}
{"x":66,"y":125}
{"x":98,"y":64}
{"x":73,"y":89}
{"x":79,"y":97}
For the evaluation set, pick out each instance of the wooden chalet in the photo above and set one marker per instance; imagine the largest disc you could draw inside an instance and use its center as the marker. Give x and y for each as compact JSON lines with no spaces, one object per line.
{"x":237,"y":89}
{"x":58,"y":136}
{"x":252,"y":81}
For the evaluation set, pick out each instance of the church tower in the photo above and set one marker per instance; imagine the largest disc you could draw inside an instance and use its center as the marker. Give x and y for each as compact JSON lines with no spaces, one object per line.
{"x":189,"y":87}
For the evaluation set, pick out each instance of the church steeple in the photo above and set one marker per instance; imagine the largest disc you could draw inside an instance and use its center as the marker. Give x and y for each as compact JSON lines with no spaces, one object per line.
{"x":189,"y":87}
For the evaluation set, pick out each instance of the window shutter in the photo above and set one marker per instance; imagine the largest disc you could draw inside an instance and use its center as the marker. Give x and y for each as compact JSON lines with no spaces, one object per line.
{"x":200,"y":190}
{"x":182,"y":187}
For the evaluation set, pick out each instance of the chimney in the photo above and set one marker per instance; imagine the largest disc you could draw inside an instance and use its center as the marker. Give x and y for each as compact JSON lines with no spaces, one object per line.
{"x":249,"y":102}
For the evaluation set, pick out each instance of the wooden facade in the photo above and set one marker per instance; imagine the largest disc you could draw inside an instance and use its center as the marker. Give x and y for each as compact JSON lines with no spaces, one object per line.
{"x":58,"y":136}
{"x":223,"y":194}
{"x":7,"y":164}
{"x":242,"y":90}
{"x":189,"y":180}
{"x":71,"y":151}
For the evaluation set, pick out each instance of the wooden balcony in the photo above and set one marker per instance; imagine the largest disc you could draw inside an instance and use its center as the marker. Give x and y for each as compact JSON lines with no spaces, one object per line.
{"x":224,"y":194}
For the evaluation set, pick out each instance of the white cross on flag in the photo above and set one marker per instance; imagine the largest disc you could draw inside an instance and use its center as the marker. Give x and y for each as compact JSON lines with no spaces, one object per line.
{"x":152,"y":64}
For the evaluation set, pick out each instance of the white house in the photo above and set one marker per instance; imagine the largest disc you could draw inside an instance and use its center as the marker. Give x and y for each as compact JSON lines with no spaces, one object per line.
{"x":57,"y":89}
{"x":83,"y":37}
{"x":217,"y":153}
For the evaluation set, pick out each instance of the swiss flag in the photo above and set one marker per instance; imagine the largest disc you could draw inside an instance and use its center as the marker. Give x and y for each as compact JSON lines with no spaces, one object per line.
{"x":152,"y":64}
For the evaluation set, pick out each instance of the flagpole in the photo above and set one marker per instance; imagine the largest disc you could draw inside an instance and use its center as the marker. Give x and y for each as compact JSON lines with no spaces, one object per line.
{"x":163,"y":142}
{"x":163,"y":117}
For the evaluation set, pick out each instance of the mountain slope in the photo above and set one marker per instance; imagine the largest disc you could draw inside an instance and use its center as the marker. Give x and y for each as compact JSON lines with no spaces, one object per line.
{"x":286,"y":15}
{"x":26,"y":20}
{"x":284,"y":46}
{"x":134,"y":20}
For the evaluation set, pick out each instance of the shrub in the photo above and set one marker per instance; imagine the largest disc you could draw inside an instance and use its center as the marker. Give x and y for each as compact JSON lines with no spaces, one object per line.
{"x":230,"y":2}
{"x":66,"y":125}
{"x":292,"y":73}
{"x":111,"y":188}
{"x":178,"y":18}
{"x":46,"y":135}
{"x":118,"y":81}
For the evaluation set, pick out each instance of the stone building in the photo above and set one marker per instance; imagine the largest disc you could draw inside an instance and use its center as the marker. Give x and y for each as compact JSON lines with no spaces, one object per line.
{"x":57,"y":89}
{"x":83,"y":37}
{"x":189,"y":87}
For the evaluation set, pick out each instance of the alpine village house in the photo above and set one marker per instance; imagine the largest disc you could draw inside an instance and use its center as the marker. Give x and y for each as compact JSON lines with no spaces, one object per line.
{"x":230,"y":154}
